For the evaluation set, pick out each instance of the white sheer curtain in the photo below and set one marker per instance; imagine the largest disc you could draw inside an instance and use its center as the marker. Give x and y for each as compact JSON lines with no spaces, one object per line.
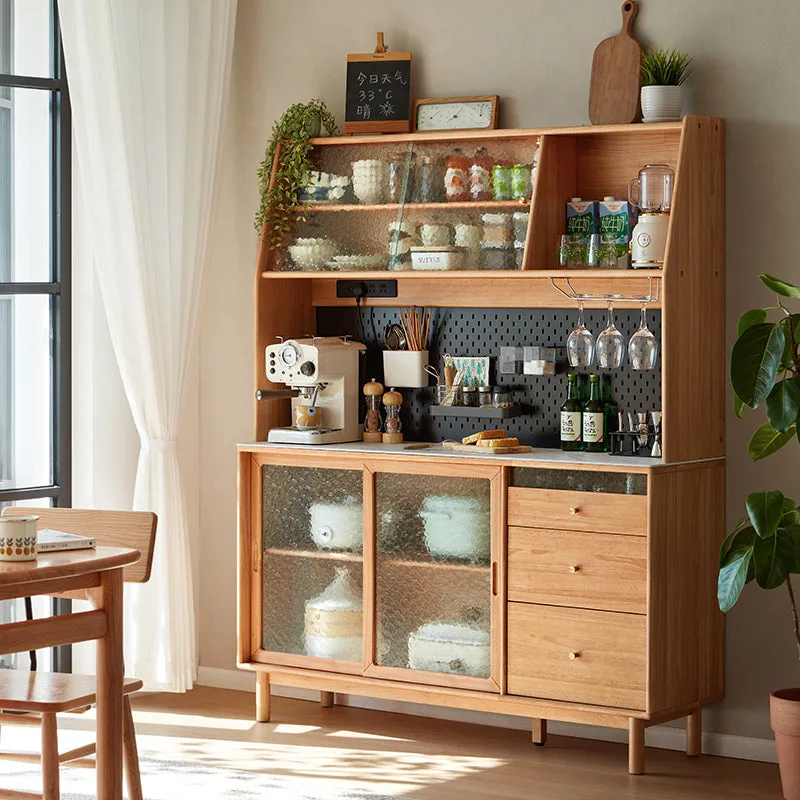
{"x":149,"y":81}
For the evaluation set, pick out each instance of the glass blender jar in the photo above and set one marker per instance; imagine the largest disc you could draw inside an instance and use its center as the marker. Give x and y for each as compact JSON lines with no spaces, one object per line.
{"x":651,"y":193}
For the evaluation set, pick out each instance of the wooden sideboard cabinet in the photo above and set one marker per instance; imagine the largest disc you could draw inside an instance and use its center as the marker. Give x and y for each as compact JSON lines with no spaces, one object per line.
{"x":590,"y":590}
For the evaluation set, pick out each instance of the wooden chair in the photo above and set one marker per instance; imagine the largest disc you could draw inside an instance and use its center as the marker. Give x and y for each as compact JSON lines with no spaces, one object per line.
{"x":40,"y":695}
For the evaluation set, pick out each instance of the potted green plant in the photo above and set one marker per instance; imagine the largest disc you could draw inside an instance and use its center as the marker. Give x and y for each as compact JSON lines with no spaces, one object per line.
{"x":663,"y":74}
{"x":279,"y":194}
{"x":765,"y":546}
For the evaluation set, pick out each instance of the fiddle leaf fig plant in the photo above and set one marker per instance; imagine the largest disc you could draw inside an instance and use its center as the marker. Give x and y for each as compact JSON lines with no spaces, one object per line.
{"x":765,"y":371}
{"x":279,"y":193}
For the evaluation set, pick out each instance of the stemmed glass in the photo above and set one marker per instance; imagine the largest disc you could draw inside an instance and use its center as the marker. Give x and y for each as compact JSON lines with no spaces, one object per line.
{"x":610,"y":344}
{"x":643,"y":346}
{"x":580,"y":343}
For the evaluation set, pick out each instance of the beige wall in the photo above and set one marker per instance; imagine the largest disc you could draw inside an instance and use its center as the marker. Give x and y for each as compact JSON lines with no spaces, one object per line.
{"x":537,"y":56}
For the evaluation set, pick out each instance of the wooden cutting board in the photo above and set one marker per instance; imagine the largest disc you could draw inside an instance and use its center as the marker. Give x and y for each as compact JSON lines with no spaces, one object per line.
{"x":486,"y":451}
{"x":614,"y":92}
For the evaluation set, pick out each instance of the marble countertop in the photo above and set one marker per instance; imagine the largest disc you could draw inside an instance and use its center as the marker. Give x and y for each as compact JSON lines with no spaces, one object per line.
{"x":540,"y":455}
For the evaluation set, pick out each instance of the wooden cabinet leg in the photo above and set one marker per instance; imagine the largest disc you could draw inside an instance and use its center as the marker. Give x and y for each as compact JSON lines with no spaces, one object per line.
{"x":539,"y":732}
{"x":262,"y":697}
{"x":635,"y":746}
{"x":50,"y":789}
{"x":694,"y":733}
{"x":326,"y":699}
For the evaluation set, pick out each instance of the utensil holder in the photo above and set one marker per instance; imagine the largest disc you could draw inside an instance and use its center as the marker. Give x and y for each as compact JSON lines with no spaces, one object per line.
{"x":405,"y":368}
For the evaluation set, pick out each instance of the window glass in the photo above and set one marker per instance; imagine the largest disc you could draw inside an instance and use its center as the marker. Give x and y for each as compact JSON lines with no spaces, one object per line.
{"x":26,"y":38}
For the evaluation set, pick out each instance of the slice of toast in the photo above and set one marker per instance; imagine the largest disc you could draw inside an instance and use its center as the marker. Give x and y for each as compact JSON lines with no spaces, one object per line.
{"x":511,"y":442}
{"x":481,"y":435}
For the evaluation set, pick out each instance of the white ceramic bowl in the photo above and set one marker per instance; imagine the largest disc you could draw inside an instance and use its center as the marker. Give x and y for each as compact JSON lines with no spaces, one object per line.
{"x":312,"y":253}
{"x":18,"y":538}
{"x":456,"y":527}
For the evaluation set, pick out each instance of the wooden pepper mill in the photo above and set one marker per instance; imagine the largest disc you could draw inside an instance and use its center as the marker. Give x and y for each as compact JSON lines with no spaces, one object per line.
{"x":373,"y":422}
{"x":392,"y":401}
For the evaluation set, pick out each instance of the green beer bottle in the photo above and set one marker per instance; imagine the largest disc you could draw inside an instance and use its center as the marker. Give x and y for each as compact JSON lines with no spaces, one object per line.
{"x":571,"y":415}
{"x":595,"y":426}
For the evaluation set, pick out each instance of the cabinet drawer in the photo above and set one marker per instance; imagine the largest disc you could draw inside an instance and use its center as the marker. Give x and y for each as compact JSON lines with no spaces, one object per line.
{"x":577,"y":511}
{"x":573,"y":568}
{"x":595,"y":657}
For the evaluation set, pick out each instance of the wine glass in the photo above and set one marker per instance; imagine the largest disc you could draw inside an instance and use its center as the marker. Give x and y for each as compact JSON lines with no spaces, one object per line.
{"x":580,"y":343}
{"x":643,"y":346}
{"x":610,"y":344}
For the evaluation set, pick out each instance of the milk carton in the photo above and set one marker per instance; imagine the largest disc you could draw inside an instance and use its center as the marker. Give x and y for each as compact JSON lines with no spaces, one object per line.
{"x":582,"y":217}
{"x":616,"y":220}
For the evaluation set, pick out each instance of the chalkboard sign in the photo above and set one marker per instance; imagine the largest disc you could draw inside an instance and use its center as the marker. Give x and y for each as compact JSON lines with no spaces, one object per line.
{"x":378,"y":96}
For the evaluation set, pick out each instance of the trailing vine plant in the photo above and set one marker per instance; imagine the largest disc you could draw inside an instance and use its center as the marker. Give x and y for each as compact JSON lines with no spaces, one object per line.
{"x":277,"y":203}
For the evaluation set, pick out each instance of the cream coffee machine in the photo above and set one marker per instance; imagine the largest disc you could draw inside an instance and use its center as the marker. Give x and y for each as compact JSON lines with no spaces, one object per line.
{"x":322,"y":374}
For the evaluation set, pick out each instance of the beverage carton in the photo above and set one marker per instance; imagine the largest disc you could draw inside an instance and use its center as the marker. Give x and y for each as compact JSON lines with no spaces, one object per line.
{"x":582,"y":217}
{"x":616,"y":220}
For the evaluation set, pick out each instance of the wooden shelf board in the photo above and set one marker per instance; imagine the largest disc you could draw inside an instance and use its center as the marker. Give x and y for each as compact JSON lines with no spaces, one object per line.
{"x":484,"y":205}
{"x":410,"y":560}
{"x":331,"y":555}
{"x":515,"y":133}
{"x":419,"y":274}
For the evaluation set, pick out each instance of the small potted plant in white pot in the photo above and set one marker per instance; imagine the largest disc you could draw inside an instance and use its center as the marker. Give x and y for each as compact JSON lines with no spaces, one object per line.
{"x":765,"y":546}
{"x":663,"y":76}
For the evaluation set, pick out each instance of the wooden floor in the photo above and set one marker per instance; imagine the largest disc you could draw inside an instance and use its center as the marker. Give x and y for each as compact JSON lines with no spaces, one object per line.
{"x":391,"y":754}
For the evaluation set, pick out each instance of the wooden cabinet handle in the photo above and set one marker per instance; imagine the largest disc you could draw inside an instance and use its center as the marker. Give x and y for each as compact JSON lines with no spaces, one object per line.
{"x":573,"y":510}
{"x":574,"y":568}
{"x":574,"y":654}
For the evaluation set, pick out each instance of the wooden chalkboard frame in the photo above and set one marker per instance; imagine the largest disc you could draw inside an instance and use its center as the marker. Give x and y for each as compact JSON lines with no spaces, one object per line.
{"x":380,"y":126}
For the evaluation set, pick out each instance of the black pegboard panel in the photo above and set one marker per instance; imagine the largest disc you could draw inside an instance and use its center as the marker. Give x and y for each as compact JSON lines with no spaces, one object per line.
{"x":482,"y":332}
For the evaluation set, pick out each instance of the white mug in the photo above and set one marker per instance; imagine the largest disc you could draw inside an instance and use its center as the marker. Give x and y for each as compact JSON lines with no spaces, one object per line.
{"x":18,"y":538}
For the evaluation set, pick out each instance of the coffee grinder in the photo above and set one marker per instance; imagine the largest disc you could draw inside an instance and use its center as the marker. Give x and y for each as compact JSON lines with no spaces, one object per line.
{"x":651,"y":193}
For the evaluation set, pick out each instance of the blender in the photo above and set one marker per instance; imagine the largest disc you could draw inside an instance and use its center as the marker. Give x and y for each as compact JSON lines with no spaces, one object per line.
{"x":651,"y":193}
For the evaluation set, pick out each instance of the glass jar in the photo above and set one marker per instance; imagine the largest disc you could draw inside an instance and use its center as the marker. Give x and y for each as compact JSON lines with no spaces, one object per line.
{"x":456,"y":178}
{"x":521,"y":182}
{"x":426,"y":182}
{"x":480,"y":176}
{"x":501,"y":397}
{"x":470,"y":396}
{"x":485,"y":396}
{"x":497,"y":230}
{"x":501,"y":182}
{"x":397,"y":177}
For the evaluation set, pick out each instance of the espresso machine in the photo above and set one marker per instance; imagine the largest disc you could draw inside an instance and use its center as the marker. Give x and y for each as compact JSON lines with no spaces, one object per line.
{"x":651,"y":193}
{"x":322,"y":375}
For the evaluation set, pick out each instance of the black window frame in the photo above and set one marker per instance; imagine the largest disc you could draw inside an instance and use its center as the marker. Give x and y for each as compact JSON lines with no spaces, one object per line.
{"x":60,"y":286}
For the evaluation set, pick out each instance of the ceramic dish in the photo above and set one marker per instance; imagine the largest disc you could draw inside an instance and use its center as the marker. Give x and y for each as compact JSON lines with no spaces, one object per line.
{"x":377,"y":261}
{"x":456,"y":527}
{"x":449,"y":647}
{"x":337,"y":526}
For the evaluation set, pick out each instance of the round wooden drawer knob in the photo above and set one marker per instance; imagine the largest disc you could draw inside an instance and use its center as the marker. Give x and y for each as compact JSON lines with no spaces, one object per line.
{"x":573,"y":568}
{"x":573,"y":655}
{"x":573,"y":510}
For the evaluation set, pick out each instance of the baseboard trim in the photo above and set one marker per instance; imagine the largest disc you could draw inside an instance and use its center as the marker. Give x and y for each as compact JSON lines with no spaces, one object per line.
{"x":665,"y":737}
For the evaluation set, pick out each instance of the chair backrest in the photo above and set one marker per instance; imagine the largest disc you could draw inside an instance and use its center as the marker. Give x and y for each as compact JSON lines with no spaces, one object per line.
{"x":134,"y":529}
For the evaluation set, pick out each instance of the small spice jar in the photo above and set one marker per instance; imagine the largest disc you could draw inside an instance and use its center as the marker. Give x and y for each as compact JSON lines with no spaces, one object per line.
{"x":485,"y":396}
{"x":469,"y":395}
{"x":392,"y":426}
{"x":372,"y":421}
{"x":501,"y":397}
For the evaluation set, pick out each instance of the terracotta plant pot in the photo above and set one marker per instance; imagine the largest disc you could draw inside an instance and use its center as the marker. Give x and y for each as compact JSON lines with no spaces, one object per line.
{"x":784,"y":712}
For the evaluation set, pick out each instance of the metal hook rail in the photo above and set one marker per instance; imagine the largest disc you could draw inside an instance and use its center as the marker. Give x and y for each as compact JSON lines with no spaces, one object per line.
{"x":610,"y":298}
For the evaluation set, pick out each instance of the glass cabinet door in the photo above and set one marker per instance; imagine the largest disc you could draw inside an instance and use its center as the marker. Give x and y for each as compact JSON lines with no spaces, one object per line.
{"x":436,"y":599}
{"x":312,"y":535}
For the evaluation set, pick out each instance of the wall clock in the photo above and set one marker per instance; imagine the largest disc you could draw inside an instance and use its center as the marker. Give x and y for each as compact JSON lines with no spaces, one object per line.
{"x":456,"y":114}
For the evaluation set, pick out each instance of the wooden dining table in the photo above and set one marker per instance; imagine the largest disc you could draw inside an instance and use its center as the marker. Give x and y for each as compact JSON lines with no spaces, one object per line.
{"x":100,"y":572}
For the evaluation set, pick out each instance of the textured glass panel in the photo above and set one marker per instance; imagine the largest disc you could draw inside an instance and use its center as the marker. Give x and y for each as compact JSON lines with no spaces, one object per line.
{"x":580,"y":480}
{"x":312,"y":570}
{"x":432,"y":573}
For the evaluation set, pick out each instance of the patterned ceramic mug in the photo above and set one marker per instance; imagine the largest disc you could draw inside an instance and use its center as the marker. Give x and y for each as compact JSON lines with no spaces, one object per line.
{"x":18,"y":538}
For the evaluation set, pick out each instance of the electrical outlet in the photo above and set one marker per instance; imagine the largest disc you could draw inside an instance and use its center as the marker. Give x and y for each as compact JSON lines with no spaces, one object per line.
{"x":364,"y":289}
